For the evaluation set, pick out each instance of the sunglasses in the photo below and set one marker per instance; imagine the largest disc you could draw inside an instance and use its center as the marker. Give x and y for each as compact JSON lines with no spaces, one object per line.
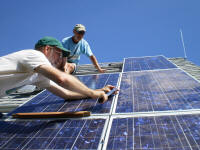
{"x":81,"y":32}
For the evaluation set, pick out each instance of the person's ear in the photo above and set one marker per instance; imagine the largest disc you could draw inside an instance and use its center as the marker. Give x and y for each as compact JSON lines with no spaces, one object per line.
{"x":74,"y":31}
{"x":46,"y":50}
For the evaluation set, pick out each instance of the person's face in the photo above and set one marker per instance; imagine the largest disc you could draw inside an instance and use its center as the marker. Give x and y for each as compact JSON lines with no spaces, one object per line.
{"x":78,"y":35}
{"x":54,"y":55}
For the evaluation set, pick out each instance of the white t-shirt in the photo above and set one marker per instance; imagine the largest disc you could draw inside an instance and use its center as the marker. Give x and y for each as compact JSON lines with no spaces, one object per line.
{"x":17,"y":69}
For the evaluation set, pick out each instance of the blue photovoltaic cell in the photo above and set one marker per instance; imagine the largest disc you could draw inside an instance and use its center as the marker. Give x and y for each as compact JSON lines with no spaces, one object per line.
{"x":48,"y":102}
{"x":65,"y":134}
{"x":155,"y":133}
{"x":158,"y":91}
{"x":147,"y":63}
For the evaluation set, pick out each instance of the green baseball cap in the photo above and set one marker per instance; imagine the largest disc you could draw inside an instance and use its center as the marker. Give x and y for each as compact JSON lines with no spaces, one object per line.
{"x":47,"y":40}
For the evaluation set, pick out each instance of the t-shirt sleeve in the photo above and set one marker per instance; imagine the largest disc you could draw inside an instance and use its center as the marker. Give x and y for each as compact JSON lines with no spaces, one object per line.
{"x":43,"y":82}
{"x":63,"y":41}
{"x":33,"y":58}
{"x":87,"y":50}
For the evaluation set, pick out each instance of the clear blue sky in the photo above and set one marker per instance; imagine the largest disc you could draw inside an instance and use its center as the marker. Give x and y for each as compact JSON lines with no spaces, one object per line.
{"x":115,"y":28}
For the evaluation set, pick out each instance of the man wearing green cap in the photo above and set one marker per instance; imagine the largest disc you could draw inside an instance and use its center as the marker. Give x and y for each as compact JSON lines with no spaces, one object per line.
{"x":77,"y":46}
{"x":38,"y":67}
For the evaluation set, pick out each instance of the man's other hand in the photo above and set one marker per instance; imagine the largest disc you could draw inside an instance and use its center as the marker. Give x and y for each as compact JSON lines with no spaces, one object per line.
{"x":99,"y":94}
{"x":102,"y":70}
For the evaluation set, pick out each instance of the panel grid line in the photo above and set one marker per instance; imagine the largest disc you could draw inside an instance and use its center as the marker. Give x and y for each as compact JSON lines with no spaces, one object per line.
{"x":190,"y":133}
{"x":183,"y":132}
{"x":78,"y":135}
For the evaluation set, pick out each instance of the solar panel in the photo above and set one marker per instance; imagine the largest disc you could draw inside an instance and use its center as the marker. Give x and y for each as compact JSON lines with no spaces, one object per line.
{"x":146,"y":91}
{"x":147,"y":63}
{"x":155,"y":133}
{"x":63,"y":134}
{"x":48,"y":102}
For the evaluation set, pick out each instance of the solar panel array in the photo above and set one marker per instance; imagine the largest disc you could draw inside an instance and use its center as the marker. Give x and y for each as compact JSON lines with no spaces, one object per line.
{"x":147,"y":63}
{"x":146,"y":114}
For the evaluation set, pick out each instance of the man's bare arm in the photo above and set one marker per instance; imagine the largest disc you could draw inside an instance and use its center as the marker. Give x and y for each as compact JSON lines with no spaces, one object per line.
{"x":68,"y":81}
{"x":64,"y":93}
{"x":96,"y":64}
{"x":70,"y":95}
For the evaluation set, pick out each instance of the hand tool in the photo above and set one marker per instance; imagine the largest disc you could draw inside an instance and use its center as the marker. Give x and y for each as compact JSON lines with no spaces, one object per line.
{"x":52,"y":115}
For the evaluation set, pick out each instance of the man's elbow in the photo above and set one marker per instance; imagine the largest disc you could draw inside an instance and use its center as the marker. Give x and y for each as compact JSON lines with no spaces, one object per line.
{"x":62,"y":81}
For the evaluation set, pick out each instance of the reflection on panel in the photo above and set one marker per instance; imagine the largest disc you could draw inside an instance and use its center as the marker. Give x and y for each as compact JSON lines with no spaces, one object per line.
{"x":48,"y":102}
{"x":155,"y":133}
{"x":76,"y":134}
{"x":158,"y":91}
{"x":147,"y":63}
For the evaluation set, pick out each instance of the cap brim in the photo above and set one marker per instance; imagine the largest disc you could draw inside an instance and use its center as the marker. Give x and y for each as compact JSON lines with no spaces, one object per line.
{"x":62,"y":48}
{"x":66,"y":51}
{"x":78,"y":30}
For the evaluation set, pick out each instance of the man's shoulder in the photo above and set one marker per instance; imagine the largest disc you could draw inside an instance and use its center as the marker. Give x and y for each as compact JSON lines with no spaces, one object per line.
{"x":66,"y":39}
{"x":30,"y":52}
{"x":32,"y":58}
{"x":84,"y":42}
{"x":24,"y":53}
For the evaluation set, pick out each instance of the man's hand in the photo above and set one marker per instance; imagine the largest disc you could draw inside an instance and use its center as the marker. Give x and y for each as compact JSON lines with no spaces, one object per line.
{"x":96,"y":64}
{"x":99,"y":94}
{"x":108,"y":88}
{"x":105,"y":90}
{"x":65,"y":66}
{"x":102,"y":70}
{"x":68,"y":67}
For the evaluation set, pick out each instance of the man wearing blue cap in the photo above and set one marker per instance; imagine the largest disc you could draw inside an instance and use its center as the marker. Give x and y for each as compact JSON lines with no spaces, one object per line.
{"x":38,"y":67}
{"x":77,"y":46}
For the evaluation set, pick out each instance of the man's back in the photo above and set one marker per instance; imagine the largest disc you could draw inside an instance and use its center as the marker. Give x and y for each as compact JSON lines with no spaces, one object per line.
{"x":17,"y":69}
